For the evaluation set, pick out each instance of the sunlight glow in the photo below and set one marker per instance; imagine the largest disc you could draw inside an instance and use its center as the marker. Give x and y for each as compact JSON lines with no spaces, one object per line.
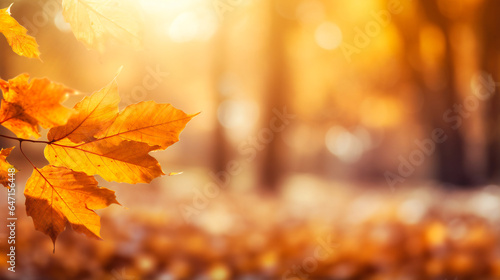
{"x":343,"y":144}
{"x":193,"y":25}
{"x":174,"y":6}
{"x":411,"y":211}
{"x":328,"y":36}
{"x":238,"y":114}
{"x":184,"y":28}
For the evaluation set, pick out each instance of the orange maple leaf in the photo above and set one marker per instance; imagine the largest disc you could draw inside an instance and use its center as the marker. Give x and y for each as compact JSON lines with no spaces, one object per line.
{"x":17,"y":37}
{"x":119,"y":161}
{"x":93,"y":138}
{"x":117,"y":147}
{"x":57,"y":195}
{"x":95,"y":22}
{"x":5,"y":166}
{"x":26,"y":105}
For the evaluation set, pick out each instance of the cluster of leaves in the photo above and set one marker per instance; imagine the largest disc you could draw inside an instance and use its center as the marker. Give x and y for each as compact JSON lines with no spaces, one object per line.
{"x":92,"y":138}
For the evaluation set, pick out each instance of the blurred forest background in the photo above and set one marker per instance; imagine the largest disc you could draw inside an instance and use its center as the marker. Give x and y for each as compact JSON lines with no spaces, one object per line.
{"x":367,"y":82}
{"x":364,"y":81}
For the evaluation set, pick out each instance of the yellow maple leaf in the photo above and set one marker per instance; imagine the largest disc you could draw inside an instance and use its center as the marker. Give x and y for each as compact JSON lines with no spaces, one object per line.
{"x":5,"y":166}
{"x":95,"y":22}
{"x":100,"y":141}
{"x":57,"y":195}
{"x":29,"y":104}
{"x":17,"y":37}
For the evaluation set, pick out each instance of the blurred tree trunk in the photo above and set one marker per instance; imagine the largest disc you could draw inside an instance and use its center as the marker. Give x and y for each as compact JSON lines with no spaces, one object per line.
{"x":277,"y":94}
{"x":450,"y":155}
{"x":488,"y":25}
{"x":220,"y":153}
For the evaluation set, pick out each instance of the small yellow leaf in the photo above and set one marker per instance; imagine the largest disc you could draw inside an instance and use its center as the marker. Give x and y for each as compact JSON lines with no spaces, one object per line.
{"x":17,"y":37}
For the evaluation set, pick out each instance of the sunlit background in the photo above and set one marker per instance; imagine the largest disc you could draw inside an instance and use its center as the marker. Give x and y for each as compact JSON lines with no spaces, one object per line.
{"x":336,"y":140}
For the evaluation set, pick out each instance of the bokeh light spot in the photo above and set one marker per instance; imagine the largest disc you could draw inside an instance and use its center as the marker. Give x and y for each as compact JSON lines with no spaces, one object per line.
{"x":328,"y":36}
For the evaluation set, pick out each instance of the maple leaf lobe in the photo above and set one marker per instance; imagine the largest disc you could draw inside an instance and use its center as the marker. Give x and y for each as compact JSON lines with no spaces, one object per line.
{"x":16,"y":35}
{"x":28,"y":104}
{"x":57,"y":195}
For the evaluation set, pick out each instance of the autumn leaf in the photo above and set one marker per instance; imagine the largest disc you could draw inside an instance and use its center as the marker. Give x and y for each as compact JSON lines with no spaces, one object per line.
{"x":149,"y":122}
{"x":93,"y":114}
{"x":5,"y":166}
{"x":119,"y":161}
{"x":93,"y":138}
{"x":17,"y":37}
{"x":100,"y":141}
{"x":57,"y":195}
{"x":95,"y":22}
{"x":26,"y":105}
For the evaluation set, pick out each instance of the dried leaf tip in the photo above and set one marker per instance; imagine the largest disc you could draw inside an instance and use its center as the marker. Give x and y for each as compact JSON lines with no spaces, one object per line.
{"x":8,"y":9}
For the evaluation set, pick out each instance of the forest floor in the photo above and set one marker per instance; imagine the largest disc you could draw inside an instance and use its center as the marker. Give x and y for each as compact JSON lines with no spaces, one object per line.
{"x":314,"y":229}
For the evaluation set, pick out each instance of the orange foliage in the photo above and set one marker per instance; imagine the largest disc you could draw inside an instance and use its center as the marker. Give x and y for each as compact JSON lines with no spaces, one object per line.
{"x":20,"y":42}
{"x":5,"y":166}
{"x":26,"y":105}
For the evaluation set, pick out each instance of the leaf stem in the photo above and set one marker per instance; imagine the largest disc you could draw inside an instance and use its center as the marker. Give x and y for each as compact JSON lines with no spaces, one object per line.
{"x":21,"y":139}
